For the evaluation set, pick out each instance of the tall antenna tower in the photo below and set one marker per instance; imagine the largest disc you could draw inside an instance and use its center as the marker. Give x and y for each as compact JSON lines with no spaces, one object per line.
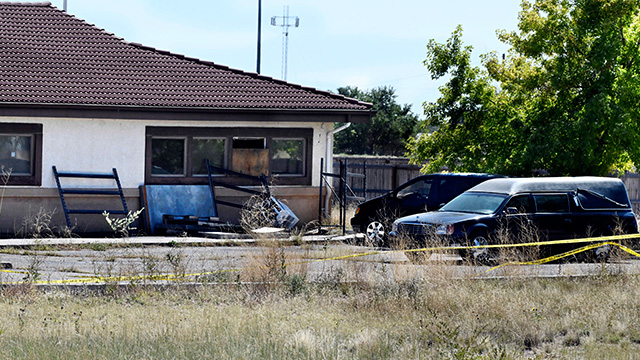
{"x":285,"y":24}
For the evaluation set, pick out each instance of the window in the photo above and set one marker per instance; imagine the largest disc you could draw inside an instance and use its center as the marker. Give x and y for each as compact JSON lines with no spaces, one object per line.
{"x":21,"y":153}
{"x":178,"y":155}
{"x":203,"y":149}
{"x":521,"y":203}
{"x":167,"y":157}
{"x":287,"y":157}
{"x":552,"y":203}
{"x":421,"y":187}
{"x":16,"y":153}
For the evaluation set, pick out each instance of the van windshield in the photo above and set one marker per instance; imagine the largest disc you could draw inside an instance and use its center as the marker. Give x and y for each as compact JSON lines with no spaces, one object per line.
{"x":475,"y":203}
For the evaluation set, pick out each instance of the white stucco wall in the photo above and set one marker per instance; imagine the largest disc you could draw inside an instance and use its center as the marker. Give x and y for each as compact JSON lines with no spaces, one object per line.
{"x":98,"y":145}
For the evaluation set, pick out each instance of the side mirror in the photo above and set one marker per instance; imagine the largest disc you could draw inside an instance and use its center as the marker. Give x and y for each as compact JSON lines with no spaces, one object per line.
{"x":511,"y":210}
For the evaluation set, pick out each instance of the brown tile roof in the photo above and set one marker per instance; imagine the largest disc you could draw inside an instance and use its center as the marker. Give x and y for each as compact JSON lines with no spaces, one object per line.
{"x":50,"y":57}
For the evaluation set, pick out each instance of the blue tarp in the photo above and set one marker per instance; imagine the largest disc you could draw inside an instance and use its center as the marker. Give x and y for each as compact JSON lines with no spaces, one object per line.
{"x":191,"y":200}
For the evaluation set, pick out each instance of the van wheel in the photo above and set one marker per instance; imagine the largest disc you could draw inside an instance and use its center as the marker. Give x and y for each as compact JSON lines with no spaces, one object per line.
{"x":478,"y":255}
{"x":375,"y":233}
{"x":603,"y":253}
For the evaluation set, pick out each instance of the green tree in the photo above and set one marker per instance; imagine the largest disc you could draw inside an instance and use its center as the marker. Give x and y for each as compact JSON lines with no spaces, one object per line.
{"x":460,"y":115}
{"x":389,"y":130}
{"x":565,"y":97}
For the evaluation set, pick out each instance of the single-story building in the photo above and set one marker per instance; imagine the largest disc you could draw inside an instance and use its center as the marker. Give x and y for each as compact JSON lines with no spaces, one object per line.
{"x":81,"y":99}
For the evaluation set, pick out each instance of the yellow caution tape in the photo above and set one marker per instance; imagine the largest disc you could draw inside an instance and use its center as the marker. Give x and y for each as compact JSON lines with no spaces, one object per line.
{"x":600,"y":241}
{"x":566,"y":254}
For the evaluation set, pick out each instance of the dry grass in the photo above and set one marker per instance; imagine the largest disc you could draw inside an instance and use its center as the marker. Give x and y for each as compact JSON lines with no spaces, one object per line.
{"x":361,"y":308}
{"x":537,"y":318}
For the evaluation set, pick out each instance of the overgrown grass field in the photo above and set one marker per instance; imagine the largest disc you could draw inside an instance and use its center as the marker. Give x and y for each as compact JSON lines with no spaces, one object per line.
{"x":290,"y":318}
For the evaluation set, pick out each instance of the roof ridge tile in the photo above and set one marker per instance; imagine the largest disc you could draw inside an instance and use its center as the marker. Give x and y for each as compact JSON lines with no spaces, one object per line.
{"x":41,"y":3}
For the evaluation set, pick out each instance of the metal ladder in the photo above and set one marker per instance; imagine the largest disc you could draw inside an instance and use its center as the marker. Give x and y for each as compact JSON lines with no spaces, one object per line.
{"x":105,"y":191}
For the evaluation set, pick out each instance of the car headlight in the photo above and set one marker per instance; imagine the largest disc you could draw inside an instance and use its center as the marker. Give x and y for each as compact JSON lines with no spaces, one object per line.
{"x":357,"y":210}
{"x":444,"y":229}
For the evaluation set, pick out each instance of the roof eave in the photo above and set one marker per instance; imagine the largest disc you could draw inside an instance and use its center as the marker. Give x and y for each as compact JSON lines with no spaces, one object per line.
{"x":183,"y":113}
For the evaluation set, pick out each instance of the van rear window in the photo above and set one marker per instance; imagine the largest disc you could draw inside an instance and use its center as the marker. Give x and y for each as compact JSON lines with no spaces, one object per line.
{"x":591,"y":200}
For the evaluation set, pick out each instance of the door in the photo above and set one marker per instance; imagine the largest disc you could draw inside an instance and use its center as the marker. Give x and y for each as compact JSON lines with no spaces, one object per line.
{"x":413,"y":198}
{"x":552,"y":216}
{"x":516,"y":223}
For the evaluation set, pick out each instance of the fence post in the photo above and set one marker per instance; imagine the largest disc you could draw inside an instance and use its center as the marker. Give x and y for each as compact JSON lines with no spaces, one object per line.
{"x":394,"y":176}
{"x":364,"y":180}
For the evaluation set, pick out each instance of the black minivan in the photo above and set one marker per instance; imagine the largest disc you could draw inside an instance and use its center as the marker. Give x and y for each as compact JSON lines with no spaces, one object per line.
{"x":423,"y":193}
{"x":556,"y":208}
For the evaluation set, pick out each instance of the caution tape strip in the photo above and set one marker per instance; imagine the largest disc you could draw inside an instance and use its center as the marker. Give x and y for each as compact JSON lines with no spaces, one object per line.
{"x":566,"y":254}
{"x":599,"y":241}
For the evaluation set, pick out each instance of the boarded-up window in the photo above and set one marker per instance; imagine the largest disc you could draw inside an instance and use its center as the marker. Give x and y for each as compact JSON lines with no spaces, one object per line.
{"x":250,"y":156}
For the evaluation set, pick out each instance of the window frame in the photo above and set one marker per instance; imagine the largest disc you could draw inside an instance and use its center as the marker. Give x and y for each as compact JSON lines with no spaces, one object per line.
{"x":228,"y":133}
{"x":33,"y":130}
{"x":546,"y":196}
{"x":184,"y":155}
{"x":224,"y":160}
{"x":304,"y":154}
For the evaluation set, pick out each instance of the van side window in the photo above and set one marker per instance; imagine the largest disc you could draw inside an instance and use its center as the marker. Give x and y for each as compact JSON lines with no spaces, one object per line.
{"x":522,"y":203}
{"x":552,"y":203}
{"x":422,"y":187}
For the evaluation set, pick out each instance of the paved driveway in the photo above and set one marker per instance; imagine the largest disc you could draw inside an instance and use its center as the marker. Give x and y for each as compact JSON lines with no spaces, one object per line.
{"x":148,"y":260}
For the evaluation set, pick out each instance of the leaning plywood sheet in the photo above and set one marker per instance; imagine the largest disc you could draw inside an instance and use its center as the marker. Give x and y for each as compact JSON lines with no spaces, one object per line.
{"x":159,"y":200}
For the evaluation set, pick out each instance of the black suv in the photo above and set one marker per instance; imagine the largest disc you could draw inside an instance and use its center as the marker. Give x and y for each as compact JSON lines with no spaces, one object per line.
{"x":420,"y":194}
{"x":556,"y":208}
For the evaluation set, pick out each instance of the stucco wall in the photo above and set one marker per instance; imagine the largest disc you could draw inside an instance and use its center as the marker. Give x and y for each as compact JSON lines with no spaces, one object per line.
{"x":98,"y":145}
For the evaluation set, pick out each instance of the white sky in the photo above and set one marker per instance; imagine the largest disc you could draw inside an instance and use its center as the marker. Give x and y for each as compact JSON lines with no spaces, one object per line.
{"x":363,"y":43}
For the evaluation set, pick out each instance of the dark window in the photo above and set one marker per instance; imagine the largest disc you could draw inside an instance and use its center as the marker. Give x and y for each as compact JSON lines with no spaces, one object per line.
{"x":167,"y":157}
{"x":21,"y":153}
{"x":552,"y":203}
{"x":522,"y":203}
{"x":248,"y":143}
{"x":422,"y":187}
{"x":595,"y":200}
{"x":16,"y":154}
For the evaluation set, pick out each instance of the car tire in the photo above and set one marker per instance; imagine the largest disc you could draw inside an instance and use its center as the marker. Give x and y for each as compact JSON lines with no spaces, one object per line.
{"x":478,"y":256}
{"x":603,"y":254}
{"x":375,"y":233}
